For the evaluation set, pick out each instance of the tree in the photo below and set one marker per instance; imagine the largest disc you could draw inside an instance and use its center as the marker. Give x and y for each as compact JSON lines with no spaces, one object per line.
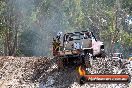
{"x":10,"y":21}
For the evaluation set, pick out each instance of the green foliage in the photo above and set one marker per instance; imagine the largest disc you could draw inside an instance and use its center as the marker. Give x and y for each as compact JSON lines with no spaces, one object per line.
{"x":109,"y":3}
{"x":2,"y":6}
{"x":126,"y":39}
{"x":127,"y":5}
{"x":48,"y":16}
{"x":34,"y":16}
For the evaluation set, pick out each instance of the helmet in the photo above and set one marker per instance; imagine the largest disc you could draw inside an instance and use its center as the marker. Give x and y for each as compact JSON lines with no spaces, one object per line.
{"x":59,"y":33}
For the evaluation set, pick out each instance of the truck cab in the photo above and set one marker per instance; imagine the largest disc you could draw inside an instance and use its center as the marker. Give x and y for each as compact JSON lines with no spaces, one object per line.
{"x":80,"y":41}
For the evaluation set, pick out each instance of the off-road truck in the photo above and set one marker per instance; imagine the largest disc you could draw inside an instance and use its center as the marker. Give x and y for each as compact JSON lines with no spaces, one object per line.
{"x":76,"y":48}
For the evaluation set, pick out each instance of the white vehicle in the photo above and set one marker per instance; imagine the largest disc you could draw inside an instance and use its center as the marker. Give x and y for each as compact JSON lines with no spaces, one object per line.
{"x":117,"y":56}
{"x":130,"y":60}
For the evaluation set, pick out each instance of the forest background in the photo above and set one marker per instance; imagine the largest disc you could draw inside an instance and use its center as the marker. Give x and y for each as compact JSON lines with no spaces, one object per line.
{"x":28,"y":26}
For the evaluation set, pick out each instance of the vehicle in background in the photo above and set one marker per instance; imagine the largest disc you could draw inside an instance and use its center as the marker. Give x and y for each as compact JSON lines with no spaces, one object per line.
{"x":117,"y":59}
{"x":130,"y":60}
{"x":117,"y":56}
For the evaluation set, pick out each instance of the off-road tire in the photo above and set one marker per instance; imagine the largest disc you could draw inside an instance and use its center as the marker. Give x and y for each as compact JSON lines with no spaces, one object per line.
{"x":87,"y":62}
{"x":103,"y":54}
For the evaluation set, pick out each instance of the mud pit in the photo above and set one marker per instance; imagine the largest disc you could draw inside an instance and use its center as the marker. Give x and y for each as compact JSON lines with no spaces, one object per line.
{"x":41,"y":72}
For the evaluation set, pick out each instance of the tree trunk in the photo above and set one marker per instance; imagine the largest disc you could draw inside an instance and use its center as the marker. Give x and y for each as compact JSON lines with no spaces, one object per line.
{"x":15,"y":43}
{"x":5,"y":45}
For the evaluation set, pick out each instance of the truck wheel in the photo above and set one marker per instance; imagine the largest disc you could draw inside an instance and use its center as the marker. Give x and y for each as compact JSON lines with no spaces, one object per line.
{"x":87,"y":62}
{"x":103,"y":55}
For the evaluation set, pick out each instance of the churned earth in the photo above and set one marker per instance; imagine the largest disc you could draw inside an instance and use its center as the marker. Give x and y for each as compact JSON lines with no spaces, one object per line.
{"x":42,"y":72}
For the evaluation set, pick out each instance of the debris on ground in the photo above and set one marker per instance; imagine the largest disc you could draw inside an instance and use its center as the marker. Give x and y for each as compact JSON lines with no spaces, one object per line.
{"x":42,"y":72}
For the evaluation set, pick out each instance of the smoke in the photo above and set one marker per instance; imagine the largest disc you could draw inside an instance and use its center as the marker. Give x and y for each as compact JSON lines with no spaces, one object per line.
{"x":40,"y":21}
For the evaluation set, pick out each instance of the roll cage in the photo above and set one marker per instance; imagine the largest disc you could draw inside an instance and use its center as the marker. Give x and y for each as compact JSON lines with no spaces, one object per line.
{"x":78,"y":36}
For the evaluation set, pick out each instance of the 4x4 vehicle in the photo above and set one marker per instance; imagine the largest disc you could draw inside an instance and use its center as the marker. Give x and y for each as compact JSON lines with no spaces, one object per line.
{"x":77,"y":47}
{"x":117,"y":56}
{"x":130,"y":60}
{"x":118,"y":59}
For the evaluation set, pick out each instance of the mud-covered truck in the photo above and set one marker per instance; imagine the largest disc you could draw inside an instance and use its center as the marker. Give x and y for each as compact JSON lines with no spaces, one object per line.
{"x":76,"y":48}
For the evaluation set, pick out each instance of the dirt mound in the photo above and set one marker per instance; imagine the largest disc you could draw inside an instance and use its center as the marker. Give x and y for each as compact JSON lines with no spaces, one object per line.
{"x":41,"y":72}
{"x":22,"y":71}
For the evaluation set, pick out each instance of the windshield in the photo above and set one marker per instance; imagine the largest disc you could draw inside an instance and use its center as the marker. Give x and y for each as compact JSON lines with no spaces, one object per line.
{"x":75,"y":37}
{"x":78,"y":36}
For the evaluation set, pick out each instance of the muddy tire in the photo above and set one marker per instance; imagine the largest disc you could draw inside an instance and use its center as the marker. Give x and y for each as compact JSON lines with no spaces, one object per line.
{"x":103,"y":54}
{"x":87,"y":62}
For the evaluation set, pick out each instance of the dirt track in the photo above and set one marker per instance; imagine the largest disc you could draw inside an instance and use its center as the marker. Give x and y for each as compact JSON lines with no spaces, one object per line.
{"x":22,"y":72}
{"x":40,"y":72}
